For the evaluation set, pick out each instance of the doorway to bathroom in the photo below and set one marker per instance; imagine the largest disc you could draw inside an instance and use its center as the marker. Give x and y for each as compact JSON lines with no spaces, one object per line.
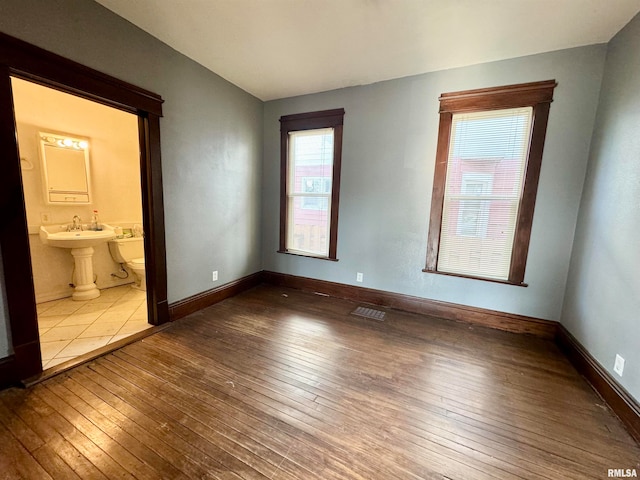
{"x":20,"y":60}
{"x":80,"y":164}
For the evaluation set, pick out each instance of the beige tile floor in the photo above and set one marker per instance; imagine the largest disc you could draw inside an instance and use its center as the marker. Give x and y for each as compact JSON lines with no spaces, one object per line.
{"x":69,"y":328}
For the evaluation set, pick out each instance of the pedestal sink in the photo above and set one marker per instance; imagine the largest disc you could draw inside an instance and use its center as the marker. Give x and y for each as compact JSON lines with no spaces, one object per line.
{"x":81,"y":243}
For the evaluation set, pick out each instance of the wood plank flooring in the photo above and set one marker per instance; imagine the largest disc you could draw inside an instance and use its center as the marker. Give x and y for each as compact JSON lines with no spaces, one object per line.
{"x":281,"y":384}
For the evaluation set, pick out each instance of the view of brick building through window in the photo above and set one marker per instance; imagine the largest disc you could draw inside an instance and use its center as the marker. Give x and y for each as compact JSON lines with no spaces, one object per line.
{"x":311,"y":164}
{"x":310,"y":158}
{"x":488,"y":160}
{"x":486,"y":166}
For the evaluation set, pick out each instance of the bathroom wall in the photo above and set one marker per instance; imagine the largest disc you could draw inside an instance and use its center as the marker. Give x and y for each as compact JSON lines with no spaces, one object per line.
{"x":115,"y":179}
{"x":602,"y":301}
{"x":211,"y":137}
{"x":388,"y":158}
{"x":114,"y":153}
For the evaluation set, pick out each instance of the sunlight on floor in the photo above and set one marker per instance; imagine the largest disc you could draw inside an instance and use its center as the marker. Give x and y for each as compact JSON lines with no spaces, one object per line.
{"x":69,"y":328}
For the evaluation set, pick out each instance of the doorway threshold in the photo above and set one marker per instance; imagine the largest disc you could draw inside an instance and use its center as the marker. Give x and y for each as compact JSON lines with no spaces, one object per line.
{"x":87,"y":357}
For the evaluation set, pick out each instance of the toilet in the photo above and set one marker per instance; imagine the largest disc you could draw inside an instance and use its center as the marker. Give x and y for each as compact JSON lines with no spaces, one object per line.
{"x":130,"y":251}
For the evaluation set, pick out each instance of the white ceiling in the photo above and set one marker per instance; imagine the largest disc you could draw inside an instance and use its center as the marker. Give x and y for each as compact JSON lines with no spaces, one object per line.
{"x":282,"y":48}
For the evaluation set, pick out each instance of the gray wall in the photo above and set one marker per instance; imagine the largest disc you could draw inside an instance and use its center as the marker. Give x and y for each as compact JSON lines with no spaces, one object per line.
{"x":211,"y":138}
{"x":602,"y":302}
{"x":390,"y":132}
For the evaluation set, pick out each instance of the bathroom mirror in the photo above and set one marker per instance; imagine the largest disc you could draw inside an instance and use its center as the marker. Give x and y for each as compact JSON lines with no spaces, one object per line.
{"x":65,"y":168}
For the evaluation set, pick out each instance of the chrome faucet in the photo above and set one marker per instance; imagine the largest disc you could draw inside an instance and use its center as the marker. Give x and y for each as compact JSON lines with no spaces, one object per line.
{"x":76,"y":225}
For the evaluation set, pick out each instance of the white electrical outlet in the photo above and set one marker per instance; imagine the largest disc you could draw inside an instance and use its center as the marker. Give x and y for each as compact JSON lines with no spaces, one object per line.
{"x":618,"y":366}
{"x":214,"y":276}
{"x":45,"y":217}
{"x":359,"y":277}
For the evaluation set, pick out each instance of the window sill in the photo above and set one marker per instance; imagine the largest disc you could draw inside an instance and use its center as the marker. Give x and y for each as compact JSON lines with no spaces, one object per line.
{"x":471,"y":277}
{"x":307,"y":255}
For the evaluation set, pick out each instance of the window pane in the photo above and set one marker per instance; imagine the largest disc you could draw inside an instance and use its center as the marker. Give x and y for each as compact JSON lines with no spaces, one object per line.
{"x":315,"y":185}
{"x":311,"y":161}
{"x":308,"y":229}
{"x":485,"y":173}
{"x":315,"y":203}
{"x":310,"y":179}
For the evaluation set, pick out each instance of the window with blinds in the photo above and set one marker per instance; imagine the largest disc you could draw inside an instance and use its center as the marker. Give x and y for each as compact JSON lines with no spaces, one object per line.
{"x":488,"y":161}
{"x":485,"y":173}
{"x":310,"y":159}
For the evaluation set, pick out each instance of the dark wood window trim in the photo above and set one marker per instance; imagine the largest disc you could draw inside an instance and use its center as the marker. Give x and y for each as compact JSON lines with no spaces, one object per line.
{"x":537,"y":95}
{"x":310,"y":121}
{"x":22,"y":60}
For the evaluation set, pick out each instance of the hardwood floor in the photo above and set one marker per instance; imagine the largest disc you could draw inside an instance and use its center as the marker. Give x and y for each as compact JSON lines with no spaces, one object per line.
{"x":277,"y":383}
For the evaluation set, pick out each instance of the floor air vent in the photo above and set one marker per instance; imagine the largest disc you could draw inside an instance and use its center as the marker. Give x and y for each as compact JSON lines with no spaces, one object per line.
{"x":369,"y":313}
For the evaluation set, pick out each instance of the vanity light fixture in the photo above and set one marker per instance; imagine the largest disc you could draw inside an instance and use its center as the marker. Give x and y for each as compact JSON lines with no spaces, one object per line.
{"x":65,"y":142}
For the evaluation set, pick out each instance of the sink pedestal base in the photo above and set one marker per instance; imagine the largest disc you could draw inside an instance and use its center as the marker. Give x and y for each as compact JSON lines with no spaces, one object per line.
{"x":85,"y":288}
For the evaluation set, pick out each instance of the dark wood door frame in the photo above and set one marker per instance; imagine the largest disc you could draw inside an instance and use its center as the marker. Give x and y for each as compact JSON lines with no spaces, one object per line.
{"x":23,"y":60}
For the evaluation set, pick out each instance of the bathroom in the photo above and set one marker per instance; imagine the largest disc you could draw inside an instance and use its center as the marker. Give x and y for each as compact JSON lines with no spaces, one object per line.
{"x":72,"y":327}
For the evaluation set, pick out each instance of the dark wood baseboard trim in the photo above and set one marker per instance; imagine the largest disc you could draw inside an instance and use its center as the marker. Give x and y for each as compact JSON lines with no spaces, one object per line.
{"x":620,"y":401}
{"x":8,"y":372}
{"x":451,"y":311}
{"x":28,"y":359}
{"x":192,"y":304}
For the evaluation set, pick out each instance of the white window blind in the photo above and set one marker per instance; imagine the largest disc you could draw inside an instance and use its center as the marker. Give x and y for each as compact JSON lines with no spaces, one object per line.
{"x":486,"y":166}
{"x":309,"y":187}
